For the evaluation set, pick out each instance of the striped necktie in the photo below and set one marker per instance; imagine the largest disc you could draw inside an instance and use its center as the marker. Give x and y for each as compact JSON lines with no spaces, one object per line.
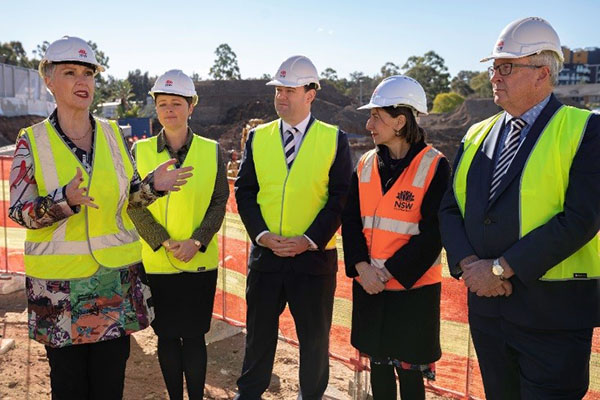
{"x":511,"y":145}
{"x":289,"y":146}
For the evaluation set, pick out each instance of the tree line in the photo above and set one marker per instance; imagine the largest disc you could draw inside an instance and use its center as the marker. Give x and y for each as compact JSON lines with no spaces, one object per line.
{"x":444,"y":93}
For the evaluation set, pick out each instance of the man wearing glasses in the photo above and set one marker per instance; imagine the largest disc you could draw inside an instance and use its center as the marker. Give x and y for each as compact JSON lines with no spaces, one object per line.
{"x":519,"y":225}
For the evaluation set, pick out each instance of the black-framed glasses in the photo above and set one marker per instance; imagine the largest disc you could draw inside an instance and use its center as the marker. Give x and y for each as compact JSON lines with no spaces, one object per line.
{"x":505,"y":69}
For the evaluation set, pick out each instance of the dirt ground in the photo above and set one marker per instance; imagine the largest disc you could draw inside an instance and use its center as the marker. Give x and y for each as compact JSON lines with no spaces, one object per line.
{"x":24,"y":372}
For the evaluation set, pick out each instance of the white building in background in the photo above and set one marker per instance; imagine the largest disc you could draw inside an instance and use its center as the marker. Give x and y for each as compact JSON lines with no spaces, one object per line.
{"x":23,"y":92}
{"x":109,"y":109}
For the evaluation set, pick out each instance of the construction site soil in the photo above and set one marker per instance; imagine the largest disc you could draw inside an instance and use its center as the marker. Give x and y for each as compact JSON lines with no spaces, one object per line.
{"x":24,"y":371}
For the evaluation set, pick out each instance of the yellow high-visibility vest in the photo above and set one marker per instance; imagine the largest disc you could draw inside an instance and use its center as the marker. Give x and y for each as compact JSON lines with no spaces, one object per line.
{"x":290,"y":200}
{"x":75,"y":247}
{"x":543,"y":185}
{"x":182,"y":212}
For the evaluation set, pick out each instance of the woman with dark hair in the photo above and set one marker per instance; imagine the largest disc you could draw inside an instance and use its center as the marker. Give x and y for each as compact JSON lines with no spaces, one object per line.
{"x":392,"y":243}
{"x":179,"y":232}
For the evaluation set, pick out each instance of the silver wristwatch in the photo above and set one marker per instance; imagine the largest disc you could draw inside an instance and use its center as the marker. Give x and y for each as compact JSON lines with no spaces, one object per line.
{"x":497,"y":269}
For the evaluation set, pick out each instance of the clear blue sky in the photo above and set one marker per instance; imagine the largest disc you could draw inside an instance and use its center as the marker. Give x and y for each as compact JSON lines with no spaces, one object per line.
{"x":347,"y":36}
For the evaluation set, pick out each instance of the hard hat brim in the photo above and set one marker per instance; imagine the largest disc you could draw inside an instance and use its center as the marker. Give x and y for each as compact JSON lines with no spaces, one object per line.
{"x":194,"y":97}
{"x":514,"y":56}
{"x":369,"y":106}
{"x":277,"y":82}
{"x":373,"y":105}
{"x":97,"y":67}
{"x":503,"y":55}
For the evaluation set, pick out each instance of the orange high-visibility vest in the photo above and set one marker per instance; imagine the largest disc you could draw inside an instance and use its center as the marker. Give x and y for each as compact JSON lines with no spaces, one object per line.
{"x":390,"y":220}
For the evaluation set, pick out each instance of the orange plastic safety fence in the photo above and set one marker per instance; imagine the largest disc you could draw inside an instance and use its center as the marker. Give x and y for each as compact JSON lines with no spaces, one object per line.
{"x":457,"y":372}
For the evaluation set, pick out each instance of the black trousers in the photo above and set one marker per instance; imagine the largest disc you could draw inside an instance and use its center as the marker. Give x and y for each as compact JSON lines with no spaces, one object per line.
{"x":89,"y":371}
{"x":517,"y":362}
{"x":310,"y":298}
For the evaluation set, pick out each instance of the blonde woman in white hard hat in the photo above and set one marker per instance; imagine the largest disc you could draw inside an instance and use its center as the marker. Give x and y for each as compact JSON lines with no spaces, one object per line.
{"x":71,"y":182}
{"x":179,"y":232}
{"x":392,"y":243}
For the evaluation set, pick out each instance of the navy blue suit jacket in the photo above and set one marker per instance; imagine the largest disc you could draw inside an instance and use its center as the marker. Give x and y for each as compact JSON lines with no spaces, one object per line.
{"x":322,"y":228}
{"x":491,"y":230}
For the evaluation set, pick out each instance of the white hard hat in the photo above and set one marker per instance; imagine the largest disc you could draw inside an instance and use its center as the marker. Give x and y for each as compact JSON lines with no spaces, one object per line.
{"x":177,"y":83}
{"x":397,"y":91}
{"x":70,"y":48}
{"x":525,"y":37}
{"x":296,"y":71}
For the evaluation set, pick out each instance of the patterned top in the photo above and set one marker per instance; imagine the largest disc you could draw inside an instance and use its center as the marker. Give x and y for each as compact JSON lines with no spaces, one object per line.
{"x":111,"y":303}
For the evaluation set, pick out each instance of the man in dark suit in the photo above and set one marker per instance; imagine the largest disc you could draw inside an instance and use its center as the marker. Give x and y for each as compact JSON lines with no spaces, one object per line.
{"x":290,"y":192}
{"x":520,"y":221}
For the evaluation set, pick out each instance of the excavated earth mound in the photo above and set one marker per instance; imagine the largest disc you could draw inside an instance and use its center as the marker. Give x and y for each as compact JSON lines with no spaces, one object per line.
{"x":225,"y":107}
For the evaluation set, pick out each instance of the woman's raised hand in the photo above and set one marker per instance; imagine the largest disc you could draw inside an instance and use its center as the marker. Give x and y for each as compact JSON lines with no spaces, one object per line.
{"x":170,"y":180}
{"x":76,"y":196}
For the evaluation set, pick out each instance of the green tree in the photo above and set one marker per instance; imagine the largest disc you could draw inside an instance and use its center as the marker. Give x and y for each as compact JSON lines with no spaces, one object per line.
{"x":195,"y":77}
{"x":389,"y":69}
{"x":461,"y":83}
{"x":329,"y":74}
{"x":140,"y":84}
{"x":132,"y":112}
{"x":13,"y":53}
{"x":446,"y":102}
{"x":225,"y":66}
{"x":266,"y":76}
{"x":39,"y":52}
{"x":359,"y":86}
{"x":123,"y":92}
{"x":481,"y":85}
{"x":431,"y":72}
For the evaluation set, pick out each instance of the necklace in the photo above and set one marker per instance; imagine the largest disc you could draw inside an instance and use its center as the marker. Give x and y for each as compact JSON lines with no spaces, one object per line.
{"x":82,"y":136}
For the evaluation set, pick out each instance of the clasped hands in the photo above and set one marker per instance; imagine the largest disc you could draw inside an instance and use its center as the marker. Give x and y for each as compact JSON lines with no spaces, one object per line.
{"x":478,"y":277}
{"x":372,"y":279}
{"x":183,"y":250}
{"x":284,"y":246}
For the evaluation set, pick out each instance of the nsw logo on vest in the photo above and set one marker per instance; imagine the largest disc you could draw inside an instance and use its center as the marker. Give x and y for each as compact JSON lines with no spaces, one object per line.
{"x":404,"y":200}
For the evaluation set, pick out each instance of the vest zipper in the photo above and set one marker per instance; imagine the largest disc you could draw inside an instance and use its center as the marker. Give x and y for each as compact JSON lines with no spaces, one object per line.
{"x":282,"y":200}
{"x":166,"y":224}
{"x":87,"y":221}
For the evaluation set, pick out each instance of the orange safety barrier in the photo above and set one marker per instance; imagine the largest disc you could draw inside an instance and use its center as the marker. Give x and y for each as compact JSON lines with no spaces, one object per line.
{"x":457,"y":372}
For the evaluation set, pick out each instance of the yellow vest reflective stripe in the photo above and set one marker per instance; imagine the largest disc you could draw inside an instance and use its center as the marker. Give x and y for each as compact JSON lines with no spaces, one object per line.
{"x":182,"y":212}
{"x":543,"y":185}
{"x":75,"y":247}
{"x":290,"y":200}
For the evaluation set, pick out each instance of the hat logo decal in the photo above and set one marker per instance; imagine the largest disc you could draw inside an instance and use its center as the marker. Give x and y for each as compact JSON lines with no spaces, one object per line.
{"x":500,"y":45}
{"x":282,"y":74}
{"x":169,"y":82}
{"x":82,"y":53}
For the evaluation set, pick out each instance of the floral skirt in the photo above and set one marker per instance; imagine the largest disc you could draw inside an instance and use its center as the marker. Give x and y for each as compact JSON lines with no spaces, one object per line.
{"x":111,"y":303}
